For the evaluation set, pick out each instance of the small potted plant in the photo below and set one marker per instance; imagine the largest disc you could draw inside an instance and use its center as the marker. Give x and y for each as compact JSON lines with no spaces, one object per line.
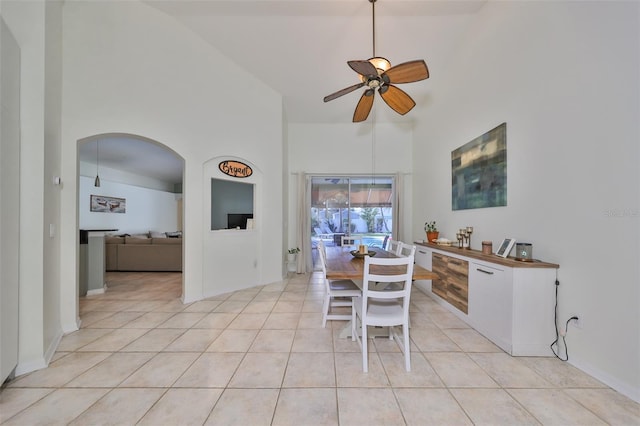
{"x":292,"y":252}
{"x":291,"y":258}
{"x":432,"y":231}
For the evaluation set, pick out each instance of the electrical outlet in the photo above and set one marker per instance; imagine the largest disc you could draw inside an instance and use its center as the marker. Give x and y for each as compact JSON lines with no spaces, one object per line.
{"x":577,"y":323}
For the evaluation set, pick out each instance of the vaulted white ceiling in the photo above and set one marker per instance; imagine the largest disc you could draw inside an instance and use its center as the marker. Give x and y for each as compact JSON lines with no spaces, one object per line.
{"x":300,"y":48}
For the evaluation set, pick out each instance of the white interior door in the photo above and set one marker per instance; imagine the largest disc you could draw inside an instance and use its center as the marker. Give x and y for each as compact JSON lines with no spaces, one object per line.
{"x":9,"y":199}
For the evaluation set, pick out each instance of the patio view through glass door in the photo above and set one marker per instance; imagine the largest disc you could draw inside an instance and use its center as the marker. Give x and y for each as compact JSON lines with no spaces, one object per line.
{"x":352,"y":205}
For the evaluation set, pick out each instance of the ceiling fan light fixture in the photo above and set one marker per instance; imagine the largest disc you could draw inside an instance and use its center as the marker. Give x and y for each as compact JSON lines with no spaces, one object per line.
{"x":376,"y":73}
{"x":381,"y":64}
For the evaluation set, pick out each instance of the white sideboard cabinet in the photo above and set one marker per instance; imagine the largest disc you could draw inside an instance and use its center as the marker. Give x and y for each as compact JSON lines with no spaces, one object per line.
{"x":508,"y":301}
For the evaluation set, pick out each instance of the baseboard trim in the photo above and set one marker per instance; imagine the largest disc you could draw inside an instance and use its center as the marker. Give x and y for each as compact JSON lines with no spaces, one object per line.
{"x":97,"y":291}
{"x":71,"y":327}
{"x":614,"y":383}
{"x":28,"y":367}
{"x":51,"y":350}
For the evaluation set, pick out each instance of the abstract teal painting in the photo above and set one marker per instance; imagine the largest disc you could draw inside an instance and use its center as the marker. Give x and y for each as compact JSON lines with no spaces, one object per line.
{"x":479,"y":171}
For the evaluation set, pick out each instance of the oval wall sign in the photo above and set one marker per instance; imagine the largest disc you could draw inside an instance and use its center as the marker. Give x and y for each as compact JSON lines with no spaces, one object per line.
{"x":235,"y":169}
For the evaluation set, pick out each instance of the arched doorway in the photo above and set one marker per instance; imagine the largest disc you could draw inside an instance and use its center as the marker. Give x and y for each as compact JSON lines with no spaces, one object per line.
{"x":129,"y":188}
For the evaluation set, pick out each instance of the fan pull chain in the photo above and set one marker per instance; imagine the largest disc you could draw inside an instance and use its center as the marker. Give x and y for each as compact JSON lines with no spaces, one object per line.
{"x":373,"y":146}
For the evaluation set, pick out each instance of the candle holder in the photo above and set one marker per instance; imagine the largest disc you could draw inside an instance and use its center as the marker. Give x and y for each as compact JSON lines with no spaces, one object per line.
{"x":459,"y":238}
{"x":466,"y":239}
{"x":468,"y":233}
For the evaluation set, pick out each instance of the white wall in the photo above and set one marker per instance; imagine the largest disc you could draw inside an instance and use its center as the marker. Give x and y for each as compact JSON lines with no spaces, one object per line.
{"x":52,"y":146}
{"x":147,"y":209}
{"x":118,"y":79}
{"x":565,"y":78}
{"x":286,"y":192}
{"x":9,"y":200}
{"x":243,"y":248}
{"x":347,"y":148}
{"x":131,"y":69}
{"x":36,"y":27}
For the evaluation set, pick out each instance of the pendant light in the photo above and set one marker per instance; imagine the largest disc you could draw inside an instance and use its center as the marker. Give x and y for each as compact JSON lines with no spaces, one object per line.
{"x":97,"y":181}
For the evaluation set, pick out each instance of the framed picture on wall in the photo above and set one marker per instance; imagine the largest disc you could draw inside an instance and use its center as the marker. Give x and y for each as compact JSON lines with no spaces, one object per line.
{"x":479,"y":171}
{"x":104,"y":204}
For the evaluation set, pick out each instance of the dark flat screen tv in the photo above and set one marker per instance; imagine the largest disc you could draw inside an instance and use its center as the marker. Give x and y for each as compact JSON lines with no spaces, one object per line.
{"x":238,"y":220}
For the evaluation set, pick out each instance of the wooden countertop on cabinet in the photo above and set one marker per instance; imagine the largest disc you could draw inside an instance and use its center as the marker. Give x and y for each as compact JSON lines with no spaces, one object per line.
{"x":477,"y":254}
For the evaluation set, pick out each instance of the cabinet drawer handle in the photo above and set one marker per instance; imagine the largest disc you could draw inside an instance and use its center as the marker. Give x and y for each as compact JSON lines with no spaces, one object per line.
{"x":423,"y":252}
{"x":483,"y":271}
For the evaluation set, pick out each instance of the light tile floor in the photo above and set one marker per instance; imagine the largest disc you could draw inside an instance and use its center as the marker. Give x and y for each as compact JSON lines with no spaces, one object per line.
{"x":260,"y":357}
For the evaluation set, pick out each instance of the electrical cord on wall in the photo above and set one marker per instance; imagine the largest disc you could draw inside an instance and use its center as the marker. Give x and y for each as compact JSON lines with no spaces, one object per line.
{"x":562,"y":333}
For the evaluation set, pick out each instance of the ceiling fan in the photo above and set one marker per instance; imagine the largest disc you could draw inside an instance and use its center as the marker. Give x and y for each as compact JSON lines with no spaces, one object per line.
{"x":377,"y":73}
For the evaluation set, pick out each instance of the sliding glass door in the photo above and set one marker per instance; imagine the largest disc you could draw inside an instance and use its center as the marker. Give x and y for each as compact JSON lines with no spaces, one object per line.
{"x":346,"y":205}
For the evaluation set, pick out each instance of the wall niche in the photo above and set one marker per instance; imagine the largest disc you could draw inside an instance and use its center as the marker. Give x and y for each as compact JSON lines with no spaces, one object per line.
{"x":231,"y":204}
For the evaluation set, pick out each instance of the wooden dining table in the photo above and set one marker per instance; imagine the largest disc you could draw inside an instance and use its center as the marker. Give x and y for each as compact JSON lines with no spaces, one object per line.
{"x":341,"y":265}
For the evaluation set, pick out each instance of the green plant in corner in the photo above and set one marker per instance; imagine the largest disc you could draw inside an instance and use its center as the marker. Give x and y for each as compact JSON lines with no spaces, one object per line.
{"x":294,"y":250}
{"x":430,"y":226}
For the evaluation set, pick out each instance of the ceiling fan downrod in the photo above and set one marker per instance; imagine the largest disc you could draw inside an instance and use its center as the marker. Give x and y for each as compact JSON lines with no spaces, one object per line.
{"x":373,"y":18}
{"x":381,"y":64}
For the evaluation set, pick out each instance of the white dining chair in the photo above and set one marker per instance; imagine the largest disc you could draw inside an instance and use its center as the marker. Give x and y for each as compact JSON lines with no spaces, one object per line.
{"x":338,"y":293}
{"x":406,"y":250}
{"x":394,"y":246}
{"x":384,"y":308}
{"x":403,"y":250}
{"x":351,"y":241}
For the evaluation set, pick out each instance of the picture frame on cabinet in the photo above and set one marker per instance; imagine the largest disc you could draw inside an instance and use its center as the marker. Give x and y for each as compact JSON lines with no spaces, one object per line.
{"x":505,"y":247}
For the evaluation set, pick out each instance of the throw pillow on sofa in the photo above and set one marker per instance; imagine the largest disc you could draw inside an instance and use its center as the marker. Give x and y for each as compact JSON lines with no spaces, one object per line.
{"x":135,"y":240}
{"x":139,"y":235}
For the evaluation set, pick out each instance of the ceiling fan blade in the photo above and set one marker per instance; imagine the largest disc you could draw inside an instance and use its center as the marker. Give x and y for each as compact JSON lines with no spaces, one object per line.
{"x":397,"y":99}
{"x":342,"y":92}
{"x":364,"y":106}
{"x":363,"y":68}
{"x":408,"y":72}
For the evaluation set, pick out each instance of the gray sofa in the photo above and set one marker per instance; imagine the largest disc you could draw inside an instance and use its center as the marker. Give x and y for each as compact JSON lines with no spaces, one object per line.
{"x":143,"y":254}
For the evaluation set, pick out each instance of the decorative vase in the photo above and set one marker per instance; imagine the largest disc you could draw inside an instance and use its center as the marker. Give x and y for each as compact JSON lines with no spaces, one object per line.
{"x":291,"y":262}
{"x":432,"y":236}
